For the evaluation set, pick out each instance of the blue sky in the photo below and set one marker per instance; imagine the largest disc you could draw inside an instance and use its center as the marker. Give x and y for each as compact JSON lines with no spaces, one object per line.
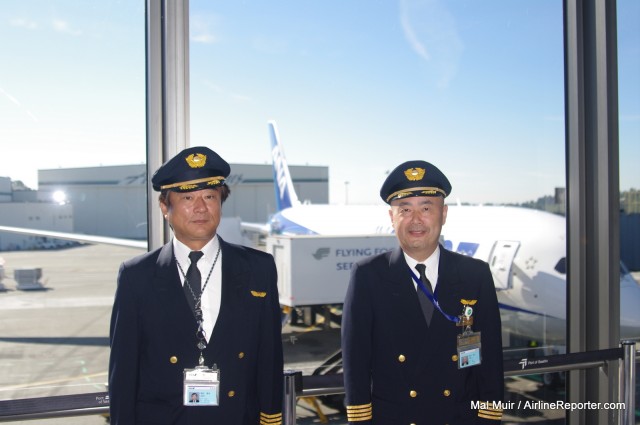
{"x":359,"y":86}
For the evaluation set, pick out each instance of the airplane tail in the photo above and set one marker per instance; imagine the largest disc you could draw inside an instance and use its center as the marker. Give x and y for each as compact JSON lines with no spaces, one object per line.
{"x":286,"y":196}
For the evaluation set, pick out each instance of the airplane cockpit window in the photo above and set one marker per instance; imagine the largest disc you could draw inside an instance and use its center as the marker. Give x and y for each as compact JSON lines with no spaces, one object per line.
{"x":561,"y":266}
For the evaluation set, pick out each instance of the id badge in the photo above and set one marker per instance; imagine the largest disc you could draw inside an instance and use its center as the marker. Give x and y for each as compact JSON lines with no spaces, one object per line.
{"x":201,"y":387}
{"x":469,"y":350}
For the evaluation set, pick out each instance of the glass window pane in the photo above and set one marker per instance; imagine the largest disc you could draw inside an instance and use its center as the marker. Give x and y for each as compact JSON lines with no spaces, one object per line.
{"x":629,"y":133}
{"x":72,"y":125}
{"x":477,"y":88}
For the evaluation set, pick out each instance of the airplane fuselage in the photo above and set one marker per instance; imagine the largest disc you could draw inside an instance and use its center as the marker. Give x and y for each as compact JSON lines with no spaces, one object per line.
{"x":525,"y":249}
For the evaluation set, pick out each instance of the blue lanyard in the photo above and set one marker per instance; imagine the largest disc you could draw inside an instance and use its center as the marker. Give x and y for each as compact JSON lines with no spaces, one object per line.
{"x":434,"y":300}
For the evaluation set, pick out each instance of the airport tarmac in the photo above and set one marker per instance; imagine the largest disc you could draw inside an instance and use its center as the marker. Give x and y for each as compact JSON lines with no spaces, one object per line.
{"x":54,"y":341}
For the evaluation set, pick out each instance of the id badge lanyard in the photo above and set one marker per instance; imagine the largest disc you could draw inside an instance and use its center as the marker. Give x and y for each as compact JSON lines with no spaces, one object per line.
{"x":468,"y":342}
{"x":201,"y":385}
{"x":432,"y":298}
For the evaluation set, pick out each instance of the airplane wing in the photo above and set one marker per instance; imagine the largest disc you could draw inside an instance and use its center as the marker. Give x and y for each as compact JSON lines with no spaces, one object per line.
{"x":260,"y":228}
{"x":78,"y":237}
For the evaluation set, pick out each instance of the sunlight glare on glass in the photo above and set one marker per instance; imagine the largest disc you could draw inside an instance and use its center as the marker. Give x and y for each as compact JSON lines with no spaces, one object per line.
{"x":59,"y":197}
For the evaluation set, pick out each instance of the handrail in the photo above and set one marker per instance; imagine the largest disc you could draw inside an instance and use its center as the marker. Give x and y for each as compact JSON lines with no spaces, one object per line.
{"x":54,"y":406}
{"x":297,"y":385}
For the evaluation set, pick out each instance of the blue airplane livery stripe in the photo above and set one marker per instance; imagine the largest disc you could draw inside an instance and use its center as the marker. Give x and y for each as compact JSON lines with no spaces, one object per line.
{"x":522,"y":310}
{"x":280,"y":225}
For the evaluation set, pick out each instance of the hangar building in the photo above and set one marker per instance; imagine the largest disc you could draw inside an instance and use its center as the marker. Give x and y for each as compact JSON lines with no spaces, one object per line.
{"x":111,"y":200}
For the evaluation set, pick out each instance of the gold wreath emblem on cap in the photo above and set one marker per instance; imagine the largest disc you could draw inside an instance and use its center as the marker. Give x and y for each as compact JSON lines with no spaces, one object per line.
{"x":196,"y":160}
{"x":414,"y":174}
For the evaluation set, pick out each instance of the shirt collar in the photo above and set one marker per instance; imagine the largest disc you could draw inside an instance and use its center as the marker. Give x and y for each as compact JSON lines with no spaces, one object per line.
{"x":181,"y":251}
{"x":431,"y":263}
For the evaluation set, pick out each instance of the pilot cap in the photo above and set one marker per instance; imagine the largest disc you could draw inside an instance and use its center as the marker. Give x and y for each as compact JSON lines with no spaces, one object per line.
{"x":192,"y":169}
{"x":414,"y":178}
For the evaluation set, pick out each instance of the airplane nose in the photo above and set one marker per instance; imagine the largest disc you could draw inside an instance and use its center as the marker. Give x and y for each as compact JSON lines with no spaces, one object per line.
{"x":629,"y":311}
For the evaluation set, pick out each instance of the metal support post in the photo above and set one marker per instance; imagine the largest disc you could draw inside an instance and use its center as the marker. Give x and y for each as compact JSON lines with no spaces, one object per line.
{"x":292,"y":385}
{"x":628,"y":383}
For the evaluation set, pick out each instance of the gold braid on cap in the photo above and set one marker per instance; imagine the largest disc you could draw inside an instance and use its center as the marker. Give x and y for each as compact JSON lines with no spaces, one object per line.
{"x":194,"y":183}
{"x":426,"y":191}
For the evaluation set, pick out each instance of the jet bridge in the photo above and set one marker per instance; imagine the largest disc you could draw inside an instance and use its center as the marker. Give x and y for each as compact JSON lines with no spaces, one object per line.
{"x":315,"y":270}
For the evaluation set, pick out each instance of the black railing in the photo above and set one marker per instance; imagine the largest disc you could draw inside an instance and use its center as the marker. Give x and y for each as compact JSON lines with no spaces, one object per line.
{"x":297,"y":385}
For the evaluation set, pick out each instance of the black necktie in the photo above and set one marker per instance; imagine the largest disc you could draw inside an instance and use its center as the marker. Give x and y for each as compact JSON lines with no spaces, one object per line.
{"x":192,"y":286}
{"x":425,"y":302}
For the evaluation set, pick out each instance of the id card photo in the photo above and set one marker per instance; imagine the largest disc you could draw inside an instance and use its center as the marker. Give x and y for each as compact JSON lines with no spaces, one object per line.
{"x":201,"y":395}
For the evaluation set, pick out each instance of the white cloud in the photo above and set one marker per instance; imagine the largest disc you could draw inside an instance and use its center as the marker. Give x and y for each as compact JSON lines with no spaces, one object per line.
{"x":63,"y":26}
{"x":200,"y":29}
{"x":431,"y":32}
{"x":235,"y":97}
{"x":16,"y":102}
{"x":411,"y":36}
{"x":23,"y":23}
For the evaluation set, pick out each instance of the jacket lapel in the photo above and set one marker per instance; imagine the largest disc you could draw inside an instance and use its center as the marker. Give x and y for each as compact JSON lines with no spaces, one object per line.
{"x":173,"y":309}
{"x":410,"y":328}
{"x":403,"y":290}
{"x":449,"y":284}
{"x":235,"y":268}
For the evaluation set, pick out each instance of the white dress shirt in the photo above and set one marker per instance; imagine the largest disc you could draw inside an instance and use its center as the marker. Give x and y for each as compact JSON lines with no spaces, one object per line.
{"x":211,"y":279}
{"x":432,"y":267}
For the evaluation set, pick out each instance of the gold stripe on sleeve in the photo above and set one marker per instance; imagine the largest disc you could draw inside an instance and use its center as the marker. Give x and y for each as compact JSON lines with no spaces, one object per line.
{"x":270,"y":419}
{"x":361,"y":412}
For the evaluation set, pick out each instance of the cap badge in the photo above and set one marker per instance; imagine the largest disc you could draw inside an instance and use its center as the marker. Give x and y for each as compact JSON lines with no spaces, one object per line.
{"x":197,"y":160}
{"x":414,"y":174}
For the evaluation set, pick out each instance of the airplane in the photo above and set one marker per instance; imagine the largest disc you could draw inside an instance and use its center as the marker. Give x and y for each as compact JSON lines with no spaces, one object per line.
{"x":76,"y":237}
{"x":229,"y":229}
{"x":525,"y":249}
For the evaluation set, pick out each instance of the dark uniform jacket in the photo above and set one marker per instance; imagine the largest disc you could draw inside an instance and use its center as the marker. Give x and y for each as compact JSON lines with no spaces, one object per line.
{"x":398,"y":370}
{"x":153,"y":340}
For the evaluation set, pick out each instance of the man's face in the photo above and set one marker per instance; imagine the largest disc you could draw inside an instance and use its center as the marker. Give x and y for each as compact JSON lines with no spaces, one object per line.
{"x":193,"y":216}
{"x":418,"y":222}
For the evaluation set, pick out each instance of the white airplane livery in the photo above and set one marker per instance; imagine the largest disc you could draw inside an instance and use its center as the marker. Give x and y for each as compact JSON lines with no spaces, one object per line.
{"x":525,"y":249}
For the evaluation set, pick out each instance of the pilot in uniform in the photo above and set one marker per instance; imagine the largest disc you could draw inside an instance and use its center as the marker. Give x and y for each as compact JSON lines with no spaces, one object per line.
{"x":171,"y":328}
{"x":407,"y":360}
